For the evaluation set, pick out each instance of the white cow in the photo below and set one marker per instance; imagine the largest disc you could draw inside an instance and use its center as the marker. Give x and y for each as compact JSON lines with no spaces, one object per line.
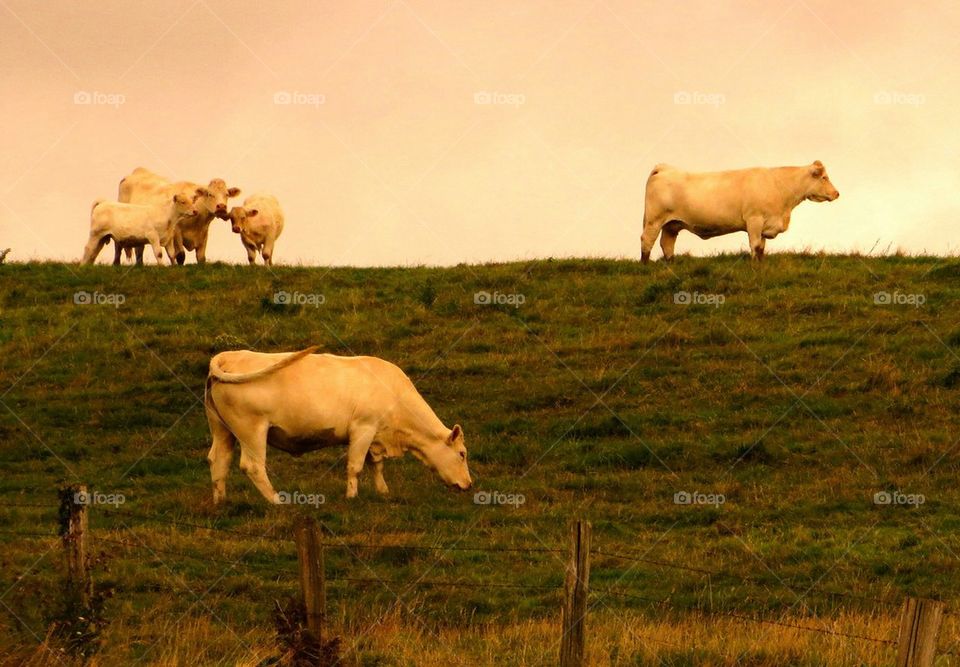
{"x":143,"y":186}
{"x":757,"y":201}
{"x":130,"y":225}
{"x":298,"y":402}
{"x":259,"y":223}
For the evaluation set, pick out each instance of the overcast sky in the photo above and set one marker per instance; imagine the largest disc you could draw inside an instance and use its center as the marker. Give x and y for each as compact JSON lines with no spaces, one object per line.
{"x":446,"y":131}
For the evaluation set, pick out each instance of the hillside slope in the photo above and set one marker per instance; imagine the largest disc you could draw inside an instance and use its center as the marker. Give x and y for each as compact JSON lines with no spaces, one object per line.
{"x":786,"y":397}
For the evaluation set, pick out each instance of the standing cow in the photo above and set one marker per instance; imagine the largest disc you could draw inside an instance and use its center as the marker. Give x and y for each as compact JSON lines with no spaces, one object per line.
{"x":757,"y":201}
{"x":131,"y":225}
{"x":259,"y":223}
{"x":143,"y":186}
{"x":298,"y":402}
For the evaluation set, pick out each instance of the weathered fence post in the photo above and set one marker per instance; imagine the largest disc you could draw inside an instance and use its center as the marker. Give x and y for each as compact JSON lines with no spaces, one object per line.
{"x":576,"y":588}
{"x":312,"y":584}
{"x":919,"y":628}
{"x":73,"y":530}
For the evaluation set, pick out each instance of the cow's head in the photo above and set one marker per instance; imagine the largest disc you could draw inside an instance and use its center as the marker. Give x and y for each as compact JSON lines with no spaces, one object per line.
{"x":239,"y":216}
{"x":448,"y":456}
{"x":213,"y":198}
{"x":820,"y":188}
{"x":183,"y":207}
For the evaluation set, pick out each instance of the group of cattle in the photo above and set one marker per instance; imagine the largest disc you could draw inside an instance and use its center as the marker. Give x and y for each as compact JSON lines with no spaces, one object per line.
{"x":175,"y":217}
{"x":298,"y":402}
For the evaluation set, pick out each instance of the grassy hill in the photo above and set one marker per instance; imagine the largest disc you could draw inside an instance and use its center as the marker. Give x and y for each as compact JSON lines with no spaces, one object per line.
{"x":797,"y":391}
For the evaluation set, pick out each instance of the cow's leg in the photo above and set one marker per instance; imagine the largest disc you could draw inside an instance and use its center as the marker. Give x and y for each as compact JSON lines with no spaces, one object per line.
{"x":251,"y":254}
{"x":360,"y":440}
{"x":117,"y":250}
{"x":651,"y":229}
{"x":221,"y":453}
{"x":178,"y":250}
{"x":267,"y":251}
{"x":755,"y":234}
{"x":93,"y":248}
{"x":253,"y":458}
{"x":139,"y":250}
{"x":154,"y":241}
{"x":201,"y":250}
{"x":668,"y":238}
{"x":379,"y":482}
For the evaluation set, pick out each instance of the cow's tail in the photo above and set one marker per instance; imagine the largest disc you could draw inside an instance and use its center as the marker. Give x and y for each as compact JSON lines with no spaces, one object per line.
{"x":96,"y":203}
{"x":220,"y":375}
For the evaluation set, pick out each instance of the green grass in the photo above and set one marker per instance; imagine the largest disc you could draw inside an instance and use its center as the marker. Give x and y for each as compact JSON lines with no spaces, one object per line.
{"x":798,"y":398}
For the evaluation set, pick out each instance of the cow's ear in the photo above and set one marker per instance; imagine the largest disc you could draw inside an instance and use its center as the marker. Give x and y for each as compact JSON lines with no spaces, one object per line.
{"x":252,"y":212}
{"x":200,"y":192}
{"x":455,"y":434}
{"x":817,"y":169}
{"x":233,"y":192}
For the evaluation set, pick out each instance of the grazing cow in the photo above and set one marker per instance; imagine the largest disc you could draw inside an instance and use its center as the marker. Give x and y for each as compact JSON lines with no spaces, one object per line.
{"x":143,"y":186}
{"x":756,"y":201}
{"x":130,"y":225}
{"x":299,"y":402}
{"x":259,"y":223}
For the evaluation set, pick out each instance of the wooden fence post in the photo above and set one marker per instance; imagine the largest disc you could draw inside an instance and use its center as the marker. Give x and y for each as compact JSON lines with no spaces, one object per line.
{"x":312,"y":583}
{"x":919,"y":628}
{"x":73,"y":530}
{"x":576,"y":588}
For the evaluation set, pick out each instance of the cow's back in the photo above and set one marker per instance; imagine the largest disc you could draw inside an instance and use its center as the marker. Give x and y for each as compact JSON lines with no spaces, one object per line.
{"x":270,"y":215}
{"x":143,"y":186}
{"x":318,"y":383}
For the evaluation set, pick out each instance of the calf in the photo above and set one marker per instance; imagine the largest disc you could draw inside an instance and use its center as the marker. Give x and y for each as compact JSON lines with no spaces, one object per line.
{"x":143,"y":186}
{"x":259,"y":223}
{"x":130,"y":225}
{"x":756,"y":201}
{"x":298,"y":402}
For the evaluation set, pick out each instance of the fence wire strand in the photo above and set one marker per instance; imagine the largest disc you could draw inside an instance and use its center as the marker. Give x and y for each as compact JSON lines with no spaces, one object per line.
{"x":743,"y":578}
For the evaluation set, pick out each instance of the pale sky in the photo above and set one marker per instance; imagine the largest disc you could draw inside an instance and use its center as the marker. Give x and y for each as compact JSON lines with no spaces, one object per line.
{"x":446,"y":131}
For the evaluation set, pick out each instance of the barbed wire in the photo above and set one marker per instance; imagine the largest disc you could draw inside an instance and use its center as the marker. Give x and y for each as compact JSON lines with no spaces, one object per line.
{"x":184,"y":554}
{"x":336,"y":544}
{"x":742,"y":578}
{"x":739,"y":616}
{"x":400,"y":583}
{"x":439,"y":547}
{"x":22,"y":533}
{"x":177,"y":522}
{"x":768,"y":621}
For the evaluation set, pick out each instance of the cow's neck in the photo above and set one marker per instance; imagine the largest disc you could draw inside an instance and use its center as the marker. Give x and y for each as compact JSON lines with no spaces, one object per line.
{"x":419,"y":429}
{"x":793,"y":186}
